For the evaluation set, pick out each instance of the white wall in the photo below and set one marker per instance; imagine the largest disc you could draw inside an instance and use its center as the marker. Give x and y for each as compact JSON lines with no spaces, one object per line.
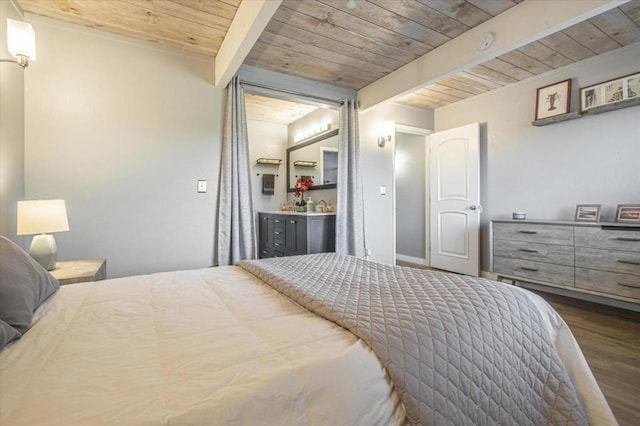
{"x":268,"y":140}
{"x":122,"y":130}
{"x":378,"y":170}
{"x":11,"y":129}
{"x":546,"y":171}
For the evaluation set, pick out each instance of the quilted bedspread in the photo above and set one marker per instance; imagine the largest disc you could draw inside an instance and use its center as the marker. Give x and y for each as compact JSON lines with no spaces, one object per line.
{"x":460,"y":350}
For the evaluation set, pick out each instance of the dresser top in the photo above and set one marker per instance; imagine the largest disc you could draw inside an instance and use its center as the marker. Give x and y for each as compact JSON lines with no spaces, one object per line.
{"x":569,"y":222}
{"x":300,"y":213}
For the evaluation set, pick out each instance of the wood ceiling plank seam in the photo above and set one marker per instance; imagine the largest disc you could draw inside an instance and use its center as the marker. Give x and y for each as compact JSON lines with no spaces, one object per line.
{"x":632,"y":10}
{"x":566,"y":45}
{"x":591,"y":37}
{"x":205,"y":49}
{"x":152,"y":16}
{"x":323,"y":54}
{"x":546,"y":55}
{"x":506,"y":68}
{"x":439,"y":95}
{"x":356,"y":24}
{"x":182,"y":12}
{"x":462,"y":85}
{"x":460,"y":10}
{"x":432,"y":105}
{"x":477,"y":80}
{"x":424,"y":100}
{"x":382,"y":17}
{"x":276,"y":58}
{"x":454,"y":91}
{"x":521,"y":60}
{"x":210,"y":6}
{"x":489,"y":74}
{"x":329,"y":30}
{"x":317,"y":40}
{"x":234,"y":3}
{"x":424,"y":16}
{"x":617,"y":25}
{"x":493,"y":7}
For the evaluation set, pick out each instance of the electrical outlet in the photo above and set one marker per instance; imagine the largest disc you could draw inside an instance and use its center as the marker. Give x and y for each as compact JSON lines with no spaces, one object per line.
{"x":202,"y":186}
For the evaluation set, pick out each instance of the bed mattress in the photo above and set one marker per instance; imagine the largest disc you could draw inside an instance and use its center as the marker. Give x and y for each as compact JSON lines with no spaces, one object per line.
{"x":210,"y":346}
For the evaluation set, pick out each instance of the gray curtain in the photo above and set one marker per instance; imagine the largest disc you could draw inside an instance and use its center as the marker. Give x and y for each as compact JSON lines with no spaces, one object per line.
{"x":350,"y":211}
{"x":236,"y":237}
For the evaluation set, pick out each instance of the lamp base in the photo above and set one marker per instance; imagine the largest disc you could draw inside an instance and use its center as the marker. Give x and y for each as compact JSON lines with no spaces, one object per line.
{"x":44,"y":250}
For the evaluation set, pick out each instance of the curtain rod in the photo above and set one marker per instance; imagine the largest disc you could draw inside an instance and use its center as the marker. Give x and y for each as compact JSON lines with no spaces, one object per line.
{"x":289,"y":92}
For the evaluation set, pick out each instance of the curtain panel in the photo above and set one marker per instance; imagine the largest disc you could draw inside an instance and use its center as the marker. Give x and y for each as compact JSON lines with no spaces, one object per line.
{"x":350,"y":210}
{"x":236,"y":230}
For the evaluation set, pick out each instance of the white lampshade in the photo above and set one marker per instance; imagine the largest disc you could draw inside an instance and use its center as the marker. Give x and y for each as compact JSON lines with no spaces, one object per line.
{"x":42,"y":217}
{"x":21,"y":39}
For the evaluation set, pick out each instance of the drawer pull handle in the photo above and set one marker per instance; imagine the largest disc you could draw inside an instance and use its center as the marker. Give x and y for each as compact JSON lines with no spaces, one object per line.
{"x":528,"y":232}
{"x":293,"y":221}
{"x":277,"y":244}
{"x":628,"y":262}
{"x":276,"y":220}
{"x":629,"y":285}
{"x":278,"y":232}
{"x":524,"y":268}
{"x":529,"y":250}
{"x":627,"y":239}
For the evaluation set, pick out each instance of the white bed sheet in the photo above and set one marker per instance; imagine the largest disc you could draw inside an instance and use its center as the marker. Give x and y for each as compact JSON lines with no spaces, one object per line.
{"x":211,"y":346}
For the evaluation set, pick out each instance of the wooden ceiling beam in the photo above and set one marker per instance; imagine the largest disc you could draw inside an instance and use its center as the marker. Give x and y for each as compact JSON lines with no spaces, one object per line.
{"x":250,"y":20}
{"x":514,"y":28}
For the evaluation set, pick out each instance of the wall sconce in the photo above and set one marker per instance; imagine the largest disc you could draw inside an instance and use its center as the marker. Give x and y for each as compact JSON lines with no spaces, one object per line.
{"x":388,"y":129}
{"x":21,"y":42}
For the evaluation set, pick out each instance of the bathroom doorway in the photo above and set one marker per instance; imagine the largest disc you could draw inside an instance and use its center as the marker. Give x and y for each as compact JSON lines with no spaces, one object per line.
{"x":411,"y":164}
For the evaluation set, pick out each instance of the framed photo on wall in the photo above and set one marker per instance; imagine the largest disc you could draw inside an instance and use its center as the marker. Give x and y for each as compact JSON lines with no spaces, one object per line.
{"x":610,"y":92}
{"x":554,"y":99}
{"x":588,"y":212}
{"x":628,"y":213}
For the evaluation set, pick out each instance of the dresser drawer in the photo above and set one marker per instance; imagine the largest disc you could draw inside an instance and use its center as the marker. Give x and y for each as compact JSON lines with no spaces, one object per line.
{"x":533,"y":232}
{"x":608,"y":239}
{"x":608,"y":282}
{"x":537,"y":252}
{"x":608,"y":260}
{"x":538,"y":272}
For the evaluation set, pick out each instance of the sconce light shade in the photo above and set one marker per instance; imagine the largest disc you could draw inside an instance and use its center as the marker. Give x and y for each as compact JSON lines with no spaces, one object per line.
{"x":21,"y":42}
{"x":41,"y":217}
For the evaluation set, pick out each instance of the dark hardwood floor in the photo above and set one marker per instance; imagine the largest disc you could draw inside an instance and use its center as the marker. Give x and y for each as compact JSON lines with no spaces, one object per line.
{"x":610,"y":340}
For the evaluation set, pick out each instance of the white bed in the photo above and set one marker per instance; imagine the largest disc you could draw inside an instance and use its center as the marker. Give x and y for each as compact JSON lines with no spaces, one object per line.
{"x":210,"y":346}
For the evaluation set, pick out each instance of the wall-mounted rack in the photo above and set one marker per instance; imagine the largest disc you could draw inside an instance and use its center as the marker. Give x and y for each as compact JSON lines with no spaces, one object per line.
{"x":596,"y":110}
{"x":269,"y":161}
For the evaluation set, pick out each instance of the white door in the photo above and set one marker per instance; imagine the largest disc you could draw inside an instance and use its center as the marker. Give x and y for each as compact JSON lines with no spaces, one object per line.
{"x":455,"y":199}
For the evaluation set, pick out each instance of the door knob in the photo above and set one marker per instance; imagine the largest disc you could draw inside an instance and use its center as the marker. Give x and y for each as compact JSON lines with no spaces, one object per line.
{"x":472,"y":207}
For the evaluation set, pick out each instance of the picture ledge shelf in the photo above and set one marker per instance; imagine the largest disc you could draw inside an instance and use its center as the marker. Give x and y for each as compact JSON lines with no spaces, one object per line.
{"x":596,"y":110}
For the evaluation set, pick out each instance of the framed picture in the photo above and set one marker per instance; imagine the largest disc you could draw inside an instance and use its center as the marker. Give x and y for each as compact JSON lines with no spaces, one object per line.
{"x":554,"y":99}
{"x":610,"y":92}
{"x":628,"y":213}
{"x":588,"y":212}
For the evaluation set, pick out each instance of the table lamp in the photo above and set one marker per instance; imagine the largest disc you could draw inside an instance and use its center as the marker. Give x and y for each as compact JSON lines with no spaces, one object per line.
{"x":42,"y":217}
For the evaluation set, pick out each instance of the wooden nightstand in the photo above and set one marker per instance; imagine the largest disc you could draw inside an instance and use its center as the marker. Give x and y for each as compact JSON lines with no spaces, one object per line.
{"x":79,"y":271}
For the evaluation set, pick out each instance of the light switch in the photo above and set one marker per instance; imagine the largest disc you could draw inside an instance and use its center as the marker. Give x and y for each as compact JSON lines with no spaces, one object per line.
{"x":202,"y":186}
{"x":383,"y":190}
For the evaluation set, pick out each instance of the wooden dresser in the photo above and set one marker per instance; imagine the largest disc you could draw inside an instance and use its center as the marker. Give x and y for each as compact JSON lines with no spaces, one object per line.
{"x":290,"y":234}
{"x":598,"y":259}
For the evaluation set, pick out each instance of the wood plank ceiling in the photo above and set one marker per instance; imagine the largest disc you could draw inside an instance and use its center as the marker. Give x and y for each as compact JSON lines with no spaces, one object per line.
{"x":354,"y":42}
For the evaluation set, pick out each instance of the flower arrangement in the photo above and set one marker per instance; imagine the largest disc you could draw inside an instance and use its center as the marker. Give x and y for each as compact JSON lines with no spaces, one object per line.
{"x":303,"y":183}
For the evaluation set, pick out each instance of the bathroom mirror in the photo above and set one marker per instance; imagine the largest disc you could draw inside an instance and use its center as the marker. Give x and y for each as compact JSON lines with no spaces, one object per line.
{"x":316,"y":158}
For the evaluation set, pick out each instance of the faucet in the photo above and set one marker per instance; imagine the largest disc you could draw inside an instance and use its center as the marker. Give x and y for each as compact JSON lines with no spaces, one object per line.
{"x":321,"y":206}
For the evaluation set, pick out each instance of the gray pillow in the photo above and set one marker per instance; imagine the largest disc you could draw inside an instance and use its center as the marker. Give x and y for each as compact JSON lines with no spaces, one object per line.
{"x":24,"y":285}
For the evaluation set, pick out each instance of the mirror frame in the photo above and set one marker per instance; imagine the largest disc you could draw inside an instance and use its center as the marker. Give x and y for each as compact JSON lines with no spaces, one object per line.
{"x":315,"y":139}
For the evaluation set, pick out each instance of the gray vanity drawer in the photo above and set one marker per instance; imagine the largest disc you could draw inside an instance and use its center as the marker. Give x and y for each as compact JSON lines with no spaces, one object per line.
{"x":608,"y":260}
{"x":608,"y":239}
{"x":533,"y":232}
{"x":626,"y":285}
{"x":537,"y":252}
{"x":538,"y":272}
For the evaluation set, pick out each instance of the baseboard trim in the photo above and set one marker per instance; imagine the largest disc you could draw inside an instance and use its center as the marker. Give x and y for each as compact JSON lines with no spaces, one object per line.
{"x":411,"y":259}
